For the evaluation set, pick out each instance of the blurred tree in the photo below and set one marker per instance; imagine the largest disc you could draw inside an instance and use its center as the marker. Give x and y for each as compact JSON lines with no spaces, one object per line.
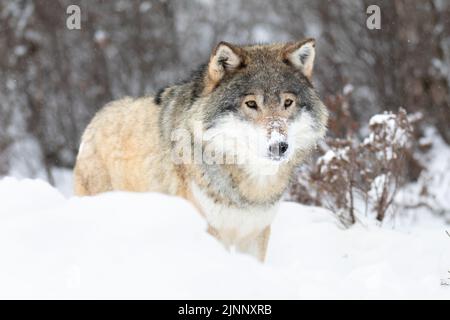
{"x":61,"y":77}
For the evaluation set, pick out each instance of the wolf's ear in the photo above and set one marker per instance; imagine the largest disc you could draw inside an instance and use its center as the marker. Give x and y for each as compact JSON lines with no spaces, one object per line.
{"x":301,"y":55}
{"x":224,"y":58}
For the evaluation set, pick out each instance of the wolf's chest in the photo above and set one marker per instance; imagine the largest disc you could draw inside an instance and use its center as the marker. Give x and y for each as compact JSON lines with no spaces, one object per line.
{"x":239,"y":222}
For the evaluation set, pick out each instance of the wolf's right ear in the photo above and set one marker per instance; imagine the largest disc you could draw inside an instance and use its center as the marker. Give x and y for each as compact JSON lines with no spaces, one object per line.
{"x":224,"y":58}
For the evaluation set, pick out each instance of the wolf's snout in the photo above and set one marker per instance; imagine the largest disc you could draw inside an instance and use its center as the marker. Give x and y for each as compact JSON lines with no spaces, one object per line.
{"x":278,"y":149}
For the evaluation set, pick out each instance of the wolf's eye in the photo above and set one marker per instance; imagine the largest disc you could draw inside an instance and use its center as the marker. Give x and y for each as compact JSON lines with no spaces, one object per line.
{"x":288,"y":103}
{"x":251,"y":104}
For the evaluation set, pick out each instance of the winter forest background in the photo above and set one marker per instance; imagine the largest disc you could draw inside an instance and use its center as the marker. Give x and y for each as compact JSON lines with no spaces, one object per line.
{"x":372,"y":163}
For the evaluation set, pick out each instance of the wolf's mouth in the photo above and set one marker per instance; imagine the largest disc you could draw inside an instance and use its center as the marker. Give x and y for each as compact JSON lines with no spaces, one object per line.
{"x":277,"y":158}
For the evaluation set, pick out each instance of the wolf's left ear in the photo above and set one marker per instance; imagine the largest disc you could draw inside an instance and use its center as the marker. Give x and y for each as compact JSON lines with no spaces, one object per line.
{"x":301,"y":55}
{"x":224,"y":58}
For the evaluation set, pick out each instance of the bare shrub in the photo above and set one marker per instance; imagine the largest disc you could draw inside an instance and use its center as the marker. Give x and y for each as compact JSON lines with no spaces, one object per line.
{"x":354,"y":177}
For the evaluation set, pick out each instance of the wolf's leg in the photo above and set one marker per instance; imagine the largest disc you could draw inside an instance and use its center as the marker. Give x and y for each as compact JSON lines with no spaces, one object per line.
{"x":212,"y":231}
{"x":256,"y":245}
{"x":79,"y":185}
{"x":91,"y":177}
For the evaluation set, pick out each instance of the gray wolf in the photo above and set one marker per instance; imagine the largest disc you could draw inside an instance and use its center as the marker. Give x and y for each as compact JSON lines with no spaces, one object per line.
{"x":228,"y":139}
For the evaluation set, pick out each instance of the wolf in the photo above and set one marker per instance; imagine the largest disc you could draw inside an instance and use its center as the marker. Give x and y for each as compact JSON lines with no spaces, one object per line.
{"x":252,"y":108}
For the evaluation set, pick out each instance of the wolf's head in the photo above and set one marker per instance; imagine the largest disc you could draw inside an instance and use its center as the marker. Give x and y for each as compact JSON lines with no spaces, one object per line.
{"x":262,"y":96}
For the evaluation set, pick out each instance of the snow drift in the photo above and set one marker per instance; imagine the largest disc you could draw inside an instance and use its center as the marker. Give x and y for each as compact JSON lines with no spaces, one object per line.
{"x":124,"y":245}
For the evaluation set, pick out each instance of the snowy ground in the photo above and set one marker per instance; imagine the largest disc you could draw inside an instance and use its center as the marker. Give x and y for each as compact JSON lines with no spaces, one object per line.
{"x":122,"y":245}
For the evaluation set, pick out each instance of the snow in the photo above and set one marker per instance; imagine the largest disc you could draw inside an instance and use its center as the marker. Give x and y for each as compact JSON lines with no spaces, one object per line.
{"x":100,"y":36}
{"x":381,"y":119}
{"x":20,"y":51}
{"x":377,"y":186}
{"x":276,"y":137}
{"x":327,"y":157}
{"x":433,"y":185}
{"x":437,"y":174}
{"x":262,"y":33}
{"x":125,"y":245}
{"x":63,"y":179}
{"x":391,"y":134}
{"x":330,"y":155}
{"x":348,"y":89}
{"x":145,"y":7}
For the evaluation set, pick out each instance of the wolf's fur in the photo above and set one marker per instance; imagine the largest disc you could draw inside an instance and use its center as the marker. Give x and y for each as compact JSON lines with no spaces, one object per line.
{"x":129,"y":144}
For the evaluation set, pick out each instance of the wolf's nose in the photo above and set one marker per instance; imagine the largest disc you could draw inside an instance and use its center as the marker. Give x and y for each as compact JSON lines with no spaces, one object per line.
{"x":283,"y":146}
{"x":278,"y":149}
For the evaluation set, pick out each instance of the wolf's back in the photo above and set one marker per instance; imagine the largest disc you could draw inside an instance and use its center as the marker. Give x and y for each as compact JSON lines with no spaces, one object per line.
{"x":121,"y":150}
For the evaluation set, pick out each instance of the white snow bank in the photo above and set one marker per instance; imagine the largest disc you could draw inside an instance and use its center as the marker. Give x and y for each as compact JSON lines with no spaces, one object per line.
{"x":122,"y":245}
{"x":433,"y":185}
